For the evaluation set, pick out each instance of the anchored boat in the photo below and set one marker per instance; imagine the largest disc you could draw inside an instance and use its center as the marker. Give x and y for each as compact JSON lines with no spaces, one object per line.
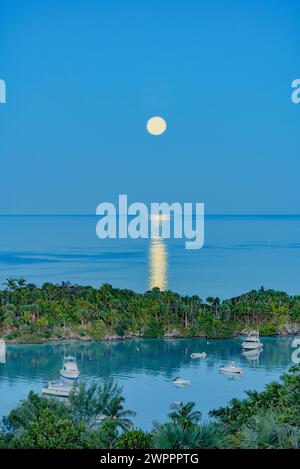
{"x":199,"y":355}
{"x":230,"y":368}
{"x":70,"y":369}
{"x":56,"y":389}
{"x":252,"y":341}
{"x":181,"y":382}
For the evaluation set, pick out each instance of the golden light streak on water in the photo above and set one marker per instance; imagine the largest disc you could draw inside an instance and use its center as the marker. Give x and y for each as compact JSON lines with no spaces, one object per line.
{"x":158,"y":275}
{"x":158,"y":264}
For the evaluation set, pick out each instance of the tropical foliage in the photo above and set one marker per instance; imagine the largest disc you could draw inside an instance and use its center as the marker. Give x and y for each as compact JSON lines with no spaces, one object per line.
{"x":282,"y":397}
{"x":95,"y":417}
{"x":32,"y":314}
{"x":92,"y":417}
{"x":267,"y":419}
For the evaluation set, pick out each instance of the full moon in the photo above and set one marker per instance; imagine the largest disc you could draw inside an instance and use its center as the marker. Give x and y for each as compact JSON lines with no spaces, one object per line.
{"x":156,"y":125}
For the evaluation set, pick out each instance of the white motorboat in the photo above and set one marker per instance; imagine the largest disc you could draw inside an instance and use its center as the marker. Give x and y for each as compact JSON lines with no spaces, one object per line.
{"x":181,"y":382}
{"x":69,"y":370}
{"x":230,"y":368}
{"x":199,"y":355}
{"x":57,"y":389}
{"x":252,"y":341}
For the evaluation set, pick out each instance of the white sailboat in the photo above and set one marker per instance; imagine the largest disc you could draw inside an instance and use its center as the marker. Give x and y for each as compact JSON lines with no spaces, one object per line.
{"x":252,"y":341}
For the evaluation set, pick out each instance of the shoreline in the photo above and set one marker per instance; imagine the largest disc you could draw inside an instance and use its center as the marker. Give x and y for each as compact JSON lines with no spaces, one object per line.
{"x":115,"y":338}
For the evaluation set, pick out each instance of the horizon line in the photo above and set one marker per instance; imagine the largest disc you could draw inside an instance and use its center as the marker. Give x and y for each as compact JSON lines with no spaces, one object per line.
{"x":95,"y":215}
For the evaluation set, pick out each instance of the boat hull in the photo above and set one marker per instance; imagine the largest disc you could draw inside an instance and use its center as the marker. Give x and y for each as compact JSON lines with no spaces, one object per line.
{"x":231,"y":371}
{"x":54,"y":394}
{"x":199,"y":355}
{"x":69,"y":375}
{"x":182,"y":383}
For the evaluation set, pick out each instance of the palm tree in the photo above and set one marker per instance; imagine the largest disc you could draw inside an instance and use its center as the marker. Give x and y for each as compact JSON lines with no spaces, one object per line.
{"x":214,"y":304}
{"x":212,"y":435}
{"x":11,"y":287}
{"x":116,"y":413}
{"x":30,"y":313}
{"x":184,"y":415}
{"x":84,"y":404}
{"x":206,"y":436}
{"x":10,"y":284}
{"x":90,"y":403}
{"x":110,"y":390}
{"x":263,"y":431}
{"x":21,"y":282}
{"x":174,"y":436}
{"x":9,"y":315}
{"x":82,"y":314}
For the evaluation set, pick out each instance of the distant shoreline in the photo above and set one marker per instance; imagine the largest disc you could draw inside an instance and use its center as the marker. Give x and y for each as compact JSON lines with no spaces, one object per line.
{"x":56,"y":313}
{"x":137,"y":337}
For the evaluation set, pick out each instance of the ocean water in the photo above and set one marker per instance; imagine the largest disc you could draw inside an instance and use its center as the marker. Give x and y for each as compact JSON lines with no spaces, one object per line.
{"x":145,"y":368}
{"x":240,"y":253}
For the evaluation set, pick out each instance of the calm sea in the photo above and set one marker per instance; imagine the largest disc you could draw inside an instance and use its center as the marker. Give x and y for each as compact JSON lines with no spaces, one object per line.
{"x":240,"y":253}
{"x":145,"y":368}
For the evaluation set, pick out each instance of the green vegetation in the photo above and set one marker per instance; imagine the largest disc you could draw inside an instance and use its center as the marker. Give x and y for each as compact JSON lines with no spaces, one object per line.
{"x":265,"y":420}
{"x":281,"y":398}
{"x":32,"y":314}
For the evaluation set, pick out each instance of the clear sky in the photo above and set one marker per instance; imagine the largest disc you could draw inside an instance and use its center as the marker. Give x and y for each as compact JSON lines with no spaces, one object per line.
{"x":84,"y":76}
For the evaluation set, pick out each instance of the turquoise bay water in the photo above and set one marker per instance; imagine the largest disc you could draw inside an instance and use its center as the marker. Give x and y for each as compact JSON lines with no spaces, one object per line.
{"x":240,"y":253}
{"x":146,"y":368}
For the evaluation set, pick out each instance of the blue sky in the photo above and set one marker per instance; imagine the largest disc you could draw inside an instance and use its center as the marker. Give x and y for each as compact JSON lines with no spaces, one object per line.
{"x":84,"y":76}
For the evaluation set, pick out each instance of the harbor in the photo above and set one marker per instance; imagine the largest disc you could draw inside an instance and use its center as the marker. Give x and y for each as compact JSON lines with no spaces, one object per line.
{"x":146,"y":369}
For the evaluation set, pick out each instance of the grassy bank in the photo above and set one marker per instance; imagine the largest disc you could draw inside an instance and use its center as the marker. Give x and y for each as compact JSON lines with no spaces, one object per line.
{"x":32,"y":314}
